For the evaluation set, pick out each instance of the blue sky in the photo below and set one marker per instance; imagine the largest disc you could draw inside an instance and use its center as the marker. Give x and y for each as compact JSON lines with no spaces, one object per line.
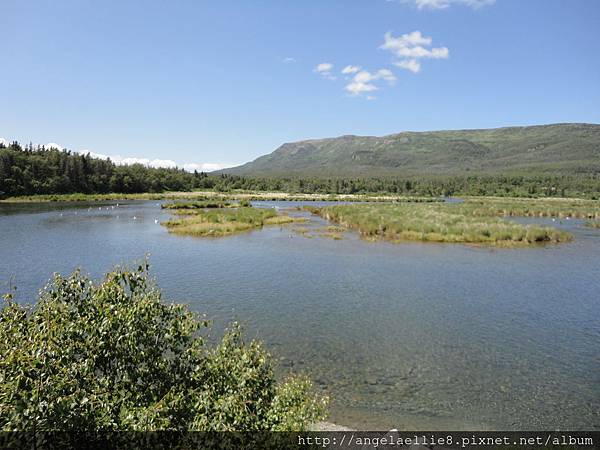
{"x":195,"y":82}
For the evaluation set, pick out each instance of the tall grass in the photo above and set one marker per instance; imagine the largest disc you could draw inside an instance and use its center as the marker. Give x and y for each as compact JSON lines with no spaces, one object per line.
{"x":436,"y":223}
{"x":547,"y":207}
{"x":196,"y":205}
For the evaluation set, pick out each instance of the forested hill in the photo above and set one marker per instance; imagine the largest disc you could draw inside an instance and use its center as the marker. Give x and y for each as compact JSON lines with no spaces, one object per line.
{"x":565,"y":149}
{"x":29,"y":170}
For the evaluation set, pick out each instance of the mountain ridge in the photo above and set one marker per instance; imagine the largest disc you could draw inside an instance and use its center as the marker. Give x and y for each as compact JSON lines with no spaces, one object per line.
{"x":554,"y":148}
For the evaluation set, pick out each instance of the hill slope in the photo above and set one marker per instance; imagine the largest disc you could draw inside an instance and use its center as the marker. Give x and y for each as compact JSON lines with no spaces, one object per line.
{"x":558,"y":148}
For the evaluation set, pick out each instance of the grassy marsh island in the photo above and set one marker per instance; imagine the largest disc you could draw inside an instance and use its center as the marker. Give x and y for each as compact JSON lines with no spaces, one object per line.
{"x":453,"y":223}
{"x":331,"y":232}
{"x":205,"y":204}
{"x":561,"y":208}
{"x":216,"y":222}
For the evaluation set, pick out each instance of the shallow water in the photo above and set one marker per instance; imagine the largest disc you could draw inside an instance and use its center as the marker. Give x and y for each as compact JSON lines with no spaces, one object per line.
{"x":411,"y":336}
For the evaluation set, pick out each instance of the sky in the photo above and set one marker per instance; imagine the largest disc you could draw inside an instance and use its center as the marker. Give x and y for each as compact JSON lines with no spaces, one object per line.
{"x":210,"y":84}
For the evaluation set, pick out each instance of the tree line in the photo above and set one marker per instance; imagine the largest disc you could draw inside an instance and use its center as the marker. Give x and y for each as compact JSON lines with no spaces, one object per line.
{"x":29,"y":170}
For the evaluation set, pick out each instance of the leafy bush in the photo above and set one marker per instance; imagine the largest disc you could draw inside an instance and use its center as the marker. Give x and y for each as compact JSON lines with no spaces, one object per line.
{"x":112,"y":356}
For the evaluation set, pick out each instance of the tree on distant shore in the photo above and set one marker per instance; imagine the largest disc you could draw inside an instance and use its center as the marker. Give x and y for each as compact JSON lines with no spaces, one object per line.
{"x":33,"y":171}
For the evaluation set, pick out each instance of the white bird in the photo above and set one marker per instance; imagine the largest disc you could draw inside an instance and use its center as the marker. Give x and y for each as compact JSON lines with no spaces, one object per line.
{"x":155,"y":220}
{"x":134,"y":218}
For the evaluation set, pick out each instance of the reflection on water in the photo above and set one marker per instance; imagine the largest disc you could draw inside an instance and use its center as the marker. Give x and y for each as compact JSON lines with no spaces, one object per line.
{"x":412,"y":336}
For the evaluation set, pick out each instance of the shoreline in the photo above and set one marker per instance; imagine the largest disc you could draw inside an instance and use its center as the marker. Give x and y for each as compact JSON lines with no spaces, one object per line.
{"x":277,"y":196}
{"x":236,"y":195}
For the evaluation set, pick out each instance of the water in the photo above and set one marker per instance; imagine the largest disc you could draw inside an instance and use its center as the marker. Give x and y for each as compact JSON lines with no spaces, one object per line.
{"x":411,"y":336}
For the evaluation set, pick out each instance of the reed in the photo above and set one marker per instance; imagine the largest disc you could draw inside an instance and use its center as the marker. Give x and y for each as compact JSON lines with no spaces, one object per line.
{"x":334,"y":236}
{"x":206,"y":204}
{"x":436,"y":223}
{"x":546,"y":207}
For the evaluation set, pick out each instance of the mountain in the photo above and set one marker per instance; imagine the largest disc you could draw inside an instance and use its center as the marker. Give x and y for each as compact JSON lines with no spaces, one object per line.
{"x":558,"y":148}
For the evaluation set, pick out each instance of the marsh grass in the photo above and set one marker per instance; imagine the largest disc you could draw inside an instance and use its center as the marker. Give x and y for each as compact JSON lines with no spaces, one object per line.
{"x":283,"y":219}
{"x":593,"y":224}
{"x":546,"y":207}
{"x":334,"y":236}
{"x":436,"y":223}
{"x":303,"y":231}
{"x":223,"y":221}
{"x":329,"y":232}
{"x":244,"y":197}
{"x":206,"y":204}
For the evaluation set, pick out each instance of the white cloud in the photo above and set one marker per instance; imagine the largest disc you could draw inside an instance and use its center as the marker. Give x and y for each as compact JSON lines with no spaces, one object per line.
{"x":409,"y":64}
{"x":350,"y":69}
{"x":362,"y":82}
{"x":411,"y":47}
{"x":54,"y":145}
{"x":443,"y":4}
{"x":206,"y":167}
{"x":158,"y":163}
{"x":358,"y":81}
{"x":288,"y":60}
{"x":324,"y":69}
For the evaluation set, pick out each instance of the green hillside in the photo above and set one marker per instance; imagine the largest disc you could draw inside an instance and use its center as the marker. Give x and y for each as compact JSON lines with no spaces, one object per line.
{"x":555,"y":149}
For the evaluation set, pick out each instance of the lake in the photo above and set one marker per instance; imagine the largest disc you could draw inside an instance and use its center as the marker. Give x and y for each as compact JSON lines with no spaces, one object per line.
{"x":409,"y":336}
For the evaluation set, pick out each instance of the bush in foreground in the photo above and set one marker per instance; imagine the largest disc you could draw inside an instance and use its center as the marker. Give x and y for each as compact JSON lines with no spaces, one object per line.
{"x":112,"y":356}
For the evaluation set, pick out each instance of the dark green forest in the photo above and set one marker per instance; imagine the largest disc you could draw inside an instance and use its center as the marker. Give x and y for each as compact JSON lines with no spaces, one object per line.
{"x":25,"y":170}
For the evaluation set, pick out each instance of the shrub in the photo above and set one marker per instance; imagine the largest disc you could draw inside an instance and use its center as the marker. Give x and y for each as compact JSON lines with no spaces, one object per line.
{"x":112,"y":356}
